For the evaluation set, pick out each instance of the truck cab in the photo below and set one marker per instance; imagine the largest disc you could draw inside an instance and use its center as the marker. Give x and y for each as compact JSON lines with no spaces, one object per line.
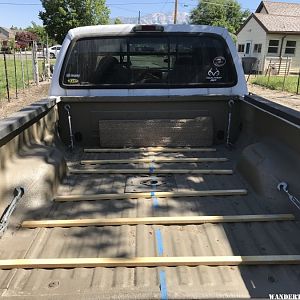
{"x":132,"y":60}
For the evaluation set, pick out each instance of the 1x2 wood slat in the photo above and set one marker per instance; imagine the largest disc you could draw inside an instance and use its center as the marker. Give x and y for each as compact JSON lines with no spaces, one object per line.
{"x":56,"y":263}
{"x":155,"y":160}
{"x":208,"y":193}
{"x":157,"y":220}
{"x":148,"y":171}
{"x":150,"y":149}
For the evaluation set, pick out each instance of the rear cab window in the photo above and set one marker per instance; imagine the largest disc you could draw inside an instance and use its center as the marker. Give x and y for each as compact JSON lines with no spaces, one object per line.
{"x":149,"y":60}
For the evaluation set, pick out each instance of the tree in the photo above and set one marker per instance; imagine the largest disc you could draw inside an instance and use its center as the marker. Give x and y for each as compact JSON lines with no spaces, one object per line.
{"x":224,"y":13}
{"x":24,"y":39}
{"x":39,"y":31}
{"x":15,"y":28}
{"x":118,"y":21}
{"x":59,"y":16}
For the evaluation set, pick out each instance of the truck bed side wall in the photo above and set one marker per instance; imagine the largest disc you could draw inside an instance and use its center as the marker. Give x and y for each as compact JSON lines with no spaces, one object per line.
{"x":29,"y":156}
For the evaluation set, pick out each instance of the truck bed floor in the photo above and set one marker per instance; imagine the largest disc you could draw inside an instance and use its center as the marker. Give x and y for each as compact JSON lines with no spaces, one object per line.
{"x":255,"y":238}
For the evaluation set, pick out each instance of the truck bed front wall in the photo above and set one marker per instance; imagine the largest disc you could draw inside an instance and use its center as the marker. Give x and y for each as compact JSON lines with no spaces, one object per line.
{"x":144,"y":121}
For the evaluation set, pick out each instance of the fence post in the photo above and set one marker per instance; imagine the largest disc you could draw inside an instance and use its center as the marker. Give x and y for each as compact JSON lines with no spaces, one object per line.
{"x":298,"y":82}
{"x":285,"y":73}
{"x":269,"y":71}
{"x":27,"y":66}
{"x":35,"y":63}
{"x":6,"y":77}
{"x":22,"y":68}
{"x":44,"y":73}
{"x":16,"y":77}
{"x":48,"y":62}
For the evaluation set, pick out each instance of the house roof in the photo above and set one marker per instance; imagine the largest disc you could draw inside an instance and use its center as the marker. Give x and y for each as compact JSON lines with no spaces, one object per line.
{"x":280,"y":17}
{"x":278,"y":23}
{"x":6,"y":29}
{"x":280,"y":8}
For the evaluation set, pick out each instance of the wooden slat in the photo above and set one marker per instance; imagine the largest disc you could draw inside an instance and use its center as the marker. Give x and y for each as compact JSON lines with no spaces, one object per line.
{"x":63,"y":198}
{"x":56,"y":263}
{"x":155,"y":160}
{"x":151,"y":149}
{"x":147,"y":171}
{"x":157,"y":220}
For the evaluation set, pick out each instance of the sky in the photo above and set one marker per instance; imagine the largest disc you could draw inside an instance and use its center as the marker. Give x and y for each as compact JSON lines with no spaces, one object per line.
{"x":21,"y":13}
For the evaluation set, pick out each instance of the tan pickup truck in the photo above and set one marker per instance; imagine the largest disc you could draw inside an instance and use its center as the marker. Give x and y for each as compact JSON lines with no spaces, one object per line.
{"x":149,"y":173}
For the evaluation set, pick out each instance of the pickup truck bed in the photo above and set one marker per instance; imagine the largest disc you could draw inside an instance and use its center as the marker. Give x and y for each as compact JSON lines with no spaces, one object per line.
{"x":183,"y":282}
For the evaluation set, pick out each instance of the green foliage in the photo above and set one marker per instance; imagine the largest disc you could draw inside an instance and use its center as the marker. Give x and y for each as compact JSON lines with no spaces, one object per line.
{"x":118,"y":21}
{"x":223,"y":13}
{"x":59,"y":16}
{"x":39,"y":31}
{"x":11,"y":44}
{"x":276,"y":82}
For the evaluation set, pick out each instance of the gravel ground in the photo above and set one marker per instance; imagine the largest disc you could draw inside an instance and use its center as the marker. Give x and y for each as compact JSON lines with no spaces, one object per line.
{"x":32,"y":94}
{"x":283,"y":98}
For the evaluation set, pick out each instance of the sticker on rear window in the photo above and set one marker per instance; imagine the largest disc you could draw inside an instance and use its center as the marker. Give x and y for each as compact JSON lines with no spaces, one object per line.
{"x":219,"y":61}
{"x":73,"y":80}
{"x":69,"y":75}
{"x":213,"y":75}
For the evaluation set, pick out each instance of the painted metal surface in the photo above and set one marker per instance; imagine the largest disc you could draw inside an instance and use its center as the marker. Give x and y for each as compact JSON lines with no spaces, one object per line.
{"x":116,"y":30}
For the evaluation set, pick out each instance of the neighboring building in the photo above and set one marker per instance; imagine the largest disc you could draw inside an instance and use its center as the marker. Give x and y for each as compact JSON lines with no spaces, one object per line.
{"x":272,"y":35}
{"x":5,"y":36}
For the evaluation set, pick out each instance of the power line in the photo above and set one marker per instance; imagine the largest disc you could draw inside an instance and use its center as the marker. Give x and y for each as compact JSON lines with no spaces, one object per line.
{"x":127,"y":9}
{"x":213,"y":3}
{"x":137,"y":3}
{"x":164,"y":5}
{"x":108,"y":4}
{"x":19,"y":4}
{"x":117,"y":5}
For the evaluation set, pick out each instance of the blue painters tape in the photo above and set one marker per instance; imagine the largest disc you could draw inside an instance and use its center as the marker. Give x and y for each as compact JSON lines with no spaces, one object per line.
{"x":163,"y":285}
{"x":154,"y":186}
{"x":155,"y":202}
{"x":159,"y":243}
{"x":154,"y":199}
{"x":162,"y":274}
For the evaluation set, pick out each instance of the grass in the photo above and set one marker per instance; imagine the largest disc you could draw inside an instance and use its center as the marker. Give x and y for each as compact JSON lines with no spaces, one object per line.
{"x":28,"y":76}
{"x":276,"y":82}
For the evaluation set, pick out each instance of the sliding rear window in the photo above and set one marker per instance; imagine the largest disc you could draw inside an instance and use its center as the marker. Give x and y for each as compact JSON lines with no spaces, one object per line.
{"x":149,"y":61}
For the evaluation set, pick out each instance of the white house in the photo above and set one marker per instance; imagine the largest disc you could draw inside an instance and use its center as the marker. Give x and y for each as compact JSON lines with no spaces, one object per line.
{"x":6,"y":35}
{"x":272,"y":35}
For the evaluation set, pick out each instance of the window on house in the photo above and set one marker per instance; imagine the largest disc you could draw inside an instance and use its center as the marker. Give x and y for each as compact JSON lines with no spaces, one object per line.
{"x":257,"y":48}
{"x":273,"y":46}
{"x":241,"y":48}
{"x":290,"y":47}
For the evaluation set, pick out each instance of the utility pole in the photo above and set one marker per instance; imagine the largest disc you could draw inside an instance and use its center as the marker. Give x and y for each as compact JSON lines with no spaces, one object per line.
{"x":175,"y":12}
{"x":139,"y":19}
